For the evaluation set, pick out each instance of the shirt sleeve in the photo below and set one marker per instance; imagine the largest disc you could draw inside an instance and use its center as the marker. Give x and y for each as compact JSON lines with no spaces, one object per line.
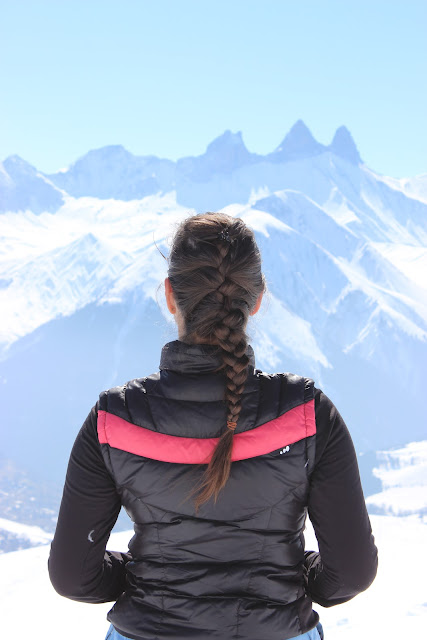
{"x":347,"y":561}
{"x":79,"y":566}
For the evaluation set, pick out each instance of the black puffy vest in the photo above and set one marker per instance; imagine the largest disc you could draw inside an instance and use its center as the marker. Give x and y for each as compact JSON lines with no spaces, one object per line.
{"x":236,"y":569}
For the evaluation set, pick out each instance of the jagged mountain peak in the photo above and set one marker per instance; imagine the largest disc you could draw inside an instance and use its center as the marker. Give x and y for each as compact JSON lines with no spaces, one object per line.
{"x":343,"y":145}
{"x":300,"y":129}
{"x":223,"y":155}
{"x":225,"y":141}
{"x":299,"y":142}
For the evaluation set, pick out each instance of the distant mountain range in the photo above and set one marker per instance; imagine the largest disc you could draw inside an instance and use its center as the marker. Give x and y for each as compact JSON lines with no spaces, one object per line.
{"x":344,"y":251}
{"x":113,"y":172}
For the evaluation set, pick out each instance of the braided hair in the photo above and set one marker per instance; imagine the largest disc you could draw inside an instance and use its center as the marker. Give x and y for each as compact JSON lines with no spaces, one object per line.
{"x":215,"y":275}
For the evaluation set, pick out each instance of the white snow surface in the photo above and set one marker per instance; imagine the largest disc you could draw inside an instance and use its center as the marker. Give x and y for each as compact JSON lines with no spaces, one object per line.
{"x":89,"y":251}
{"x":403,"y":475}
{"x":34,"y":534}
{"x":94,"y":251}
{"x":415,"y":187}
{"x":410,"y":260}
{"x":394,"y":607}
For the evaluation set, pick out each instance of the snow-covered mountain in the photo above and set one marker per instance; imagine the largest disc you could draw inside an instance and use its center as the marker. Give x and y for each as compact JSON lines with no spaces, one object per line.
{"x":403,"y":476}
{"x":227,"y":172}
{"x":344,"y":251}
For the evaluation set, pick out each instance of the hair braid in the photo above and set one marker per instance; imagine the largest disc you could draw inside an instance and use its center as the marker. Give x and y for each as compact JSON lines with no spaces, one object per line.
{"x":216,"y":279}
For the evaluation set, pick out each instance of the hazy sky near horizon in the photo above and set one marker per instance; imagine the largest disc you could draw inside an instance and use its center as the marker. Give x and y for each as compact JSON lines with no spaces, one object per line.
{"x":167,"y":77}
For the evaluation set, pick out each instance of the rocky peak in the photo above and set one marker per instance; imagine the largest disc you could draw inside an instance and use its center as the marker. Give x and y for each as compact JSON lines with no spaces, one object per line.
{"x":343,"y":145}
{"x":298,"y":143}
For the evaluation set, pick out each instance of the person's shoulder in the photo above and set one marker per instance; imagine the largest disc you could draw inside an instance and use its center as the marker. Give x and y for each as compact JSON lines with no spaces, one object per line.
{"x":119,"y":396}
{"x":288,"y":382}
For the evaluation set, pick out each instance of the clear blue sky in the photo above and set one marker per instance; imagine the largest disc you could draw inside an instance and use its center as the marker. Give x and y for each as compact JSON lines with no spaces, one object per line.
{"x":165,"y":77}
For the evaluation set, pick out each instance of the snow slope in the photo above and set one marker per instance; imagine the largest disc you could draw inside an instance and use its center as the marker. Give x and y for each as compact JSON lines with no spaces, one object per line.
{"x":32,"y":534}
{"x":403,"y":475}
{"x":90,"y":275}
{"x":53,"y":265}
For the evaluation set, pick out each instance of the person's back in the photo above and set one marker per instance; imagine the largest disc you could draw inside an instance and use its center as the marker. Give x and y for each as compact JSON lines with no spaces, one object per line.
{"x":231,"y":563}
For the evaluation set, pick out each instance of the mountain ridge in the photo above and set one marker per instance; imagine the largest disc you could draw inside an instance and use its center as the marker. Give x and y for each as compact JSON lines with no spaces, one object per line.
{"x":113,"y":172}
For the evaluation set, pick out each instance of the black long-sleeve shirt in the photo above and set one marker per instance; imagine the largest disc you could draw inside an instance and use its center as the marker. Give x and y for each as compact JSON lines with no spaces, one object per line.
{"x":80,"y":568}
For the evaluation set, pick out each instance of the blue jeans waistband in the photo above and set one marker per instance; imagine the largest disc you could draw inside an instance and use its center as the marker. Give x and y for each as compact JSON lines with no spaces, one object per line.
{"x":313,"y":634}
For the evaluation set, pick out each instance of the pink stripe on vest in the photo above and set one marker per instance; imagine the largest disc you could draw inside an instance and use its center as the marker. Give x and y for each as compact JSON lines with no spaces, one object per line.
{"x":292,"y":426}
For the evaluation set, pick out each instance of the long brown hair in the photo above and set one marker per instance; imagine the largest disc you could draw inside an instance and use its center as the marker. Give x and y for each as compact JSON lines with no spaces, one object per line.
{"x":216,"y":279}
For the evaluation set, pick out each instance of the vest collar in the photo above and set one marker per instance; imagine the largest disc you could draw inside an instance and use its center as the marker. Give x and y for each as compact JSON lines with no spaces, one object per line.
{"x":194,"y":358}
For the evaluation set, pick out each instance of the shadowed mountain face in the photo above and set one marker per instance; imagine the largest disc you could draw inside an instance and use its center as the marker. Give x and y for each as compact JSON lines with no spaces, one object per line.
{"x":344,"y":252}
